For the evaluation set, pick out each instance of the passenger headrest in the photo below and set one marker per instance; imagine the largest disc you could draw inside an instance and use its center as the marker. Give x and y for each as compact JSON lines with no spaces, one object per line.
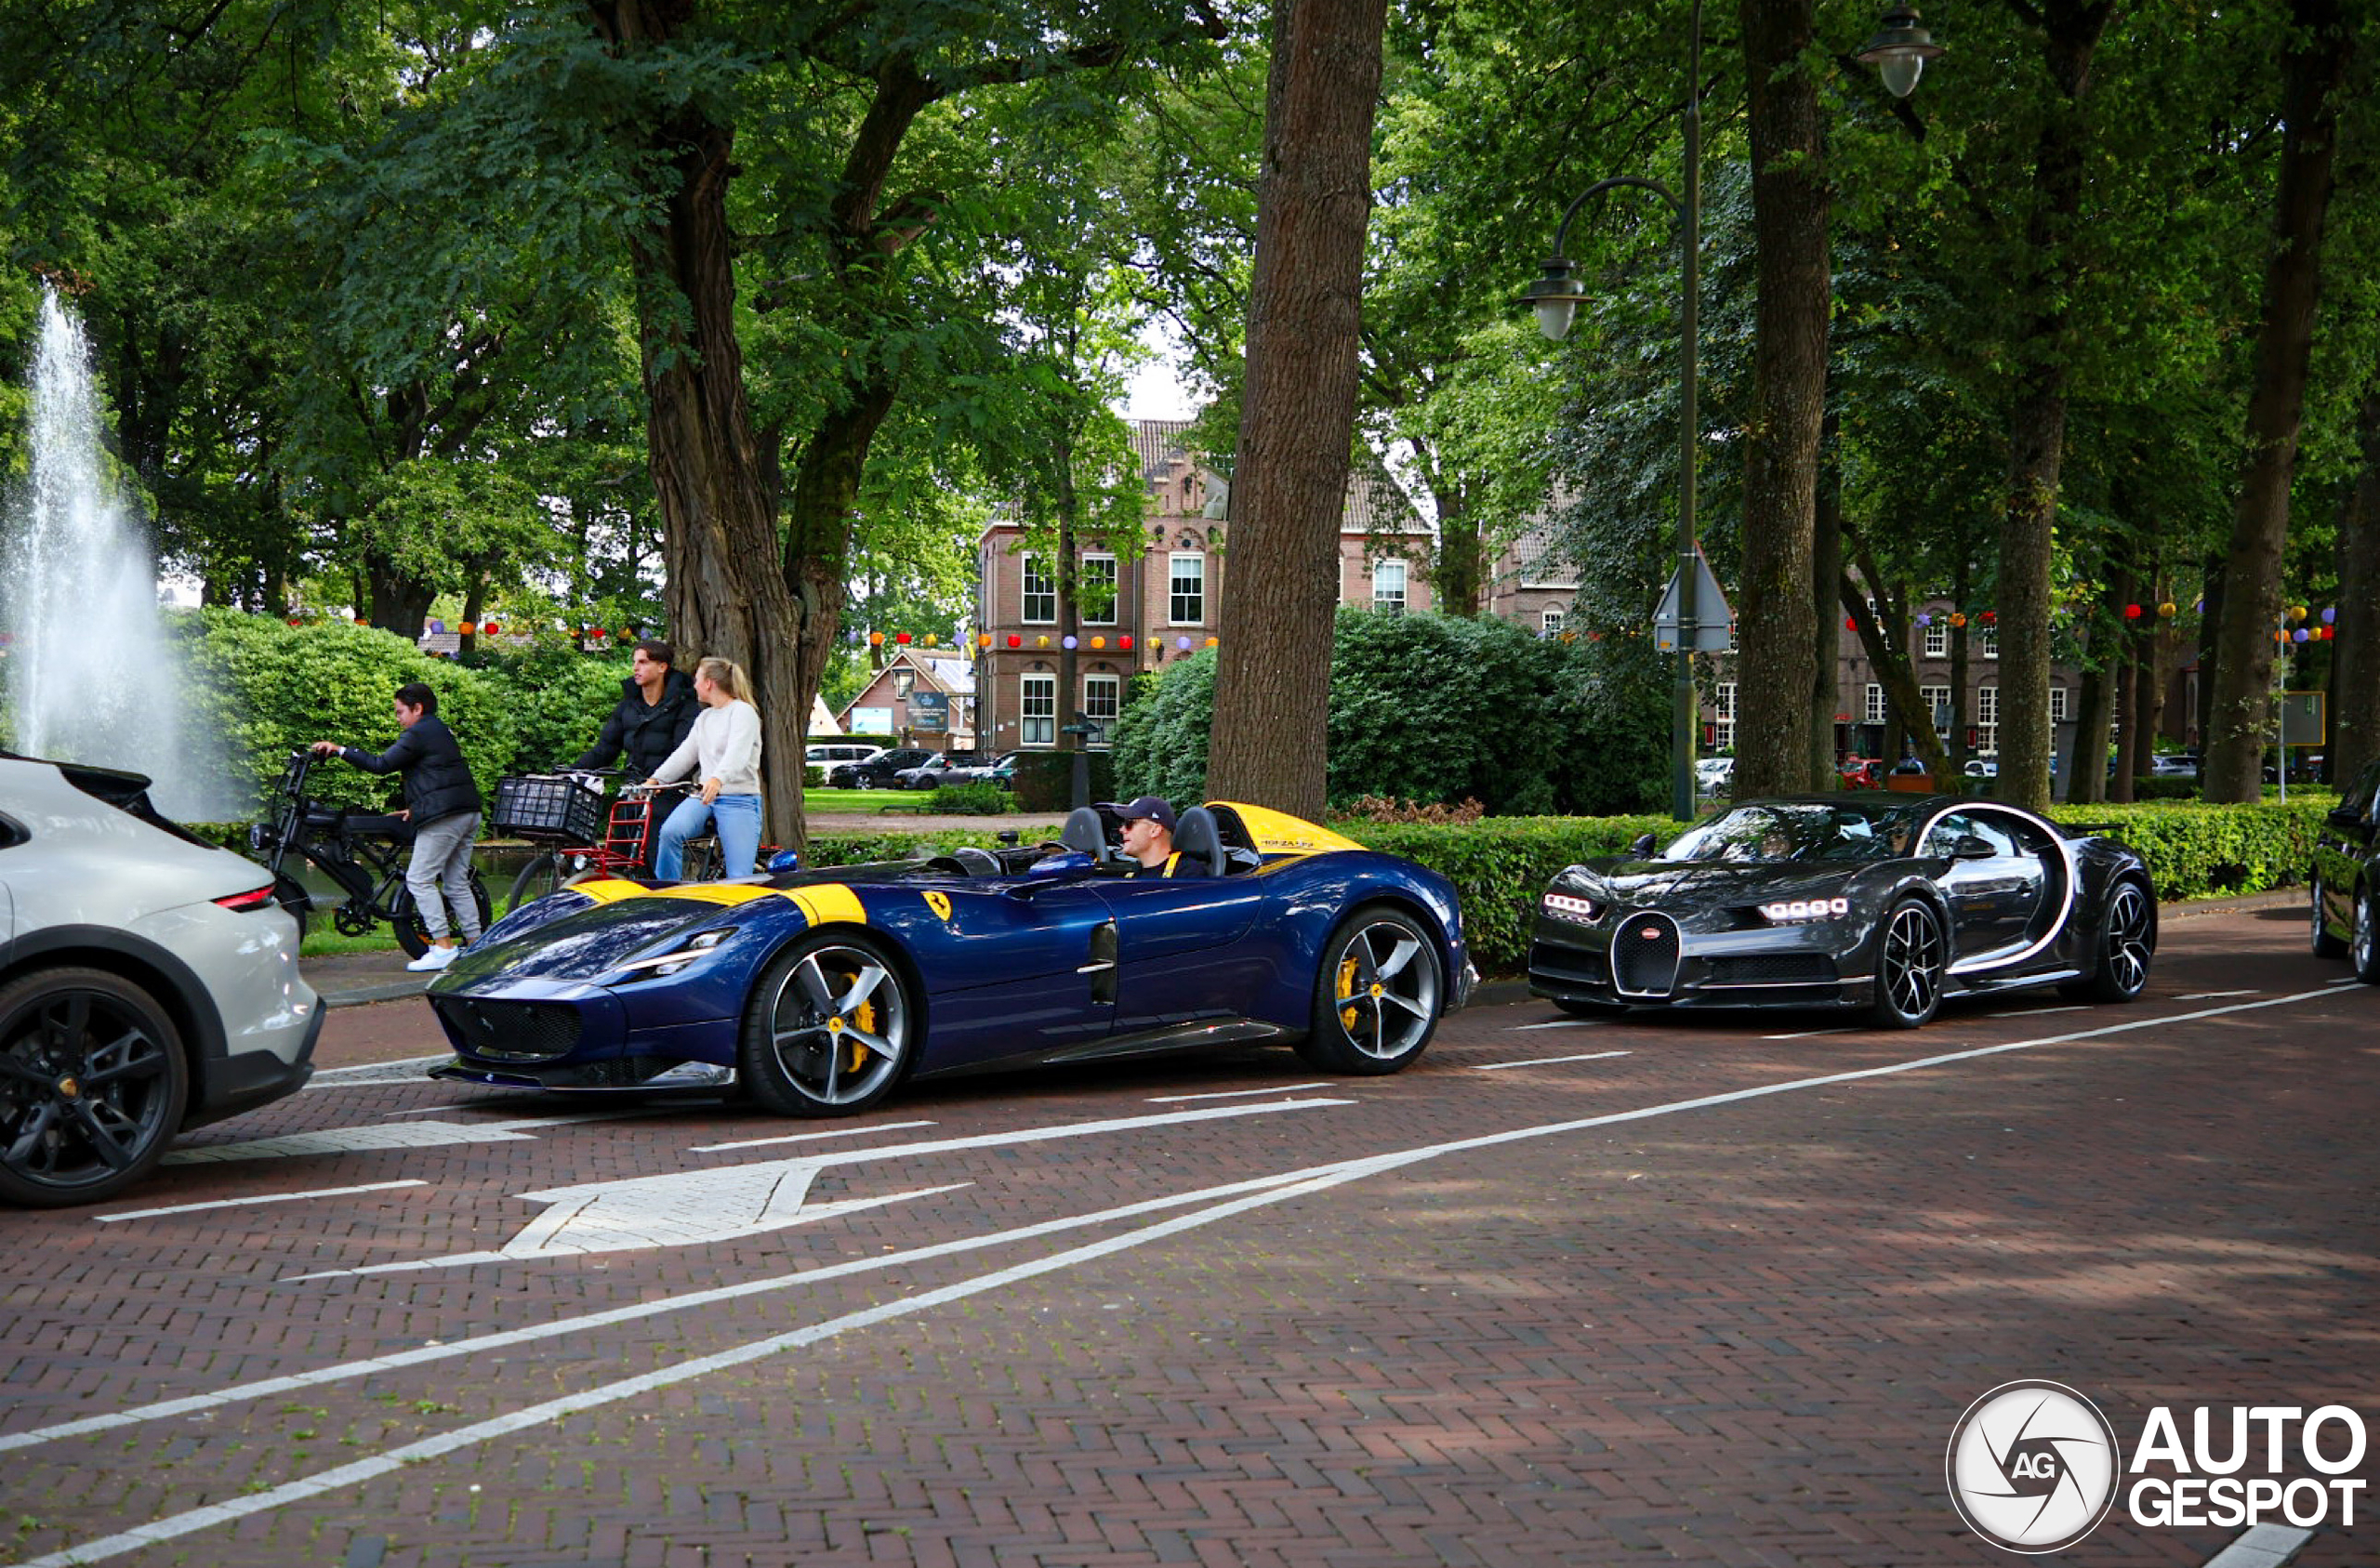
{"x":1197,"y":841}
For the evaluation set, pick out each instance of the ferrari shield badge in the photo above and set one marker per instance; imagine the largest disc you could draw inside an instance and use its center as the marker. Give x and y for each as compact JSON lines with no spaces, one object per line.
{"x":939,"y":902}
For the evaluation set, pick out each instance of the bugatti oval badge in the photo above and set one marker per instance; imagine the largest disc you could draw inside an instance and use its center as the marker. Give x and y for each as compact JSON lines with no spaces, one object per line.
{"x":1650,"y":933}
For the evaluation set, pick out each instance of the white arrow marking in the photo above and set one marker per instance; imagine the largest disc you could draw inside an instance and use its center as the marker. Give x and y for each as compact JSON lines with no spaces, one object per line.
{"x":386,"y":1135}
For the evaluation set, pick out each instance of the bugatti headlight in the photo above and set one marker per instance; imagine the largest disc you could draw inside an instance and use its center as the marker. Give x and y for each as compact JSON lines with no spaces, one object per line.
{"x":1794,"y":912}
{"x":1574,"y":906}
{"x":693,"y":949}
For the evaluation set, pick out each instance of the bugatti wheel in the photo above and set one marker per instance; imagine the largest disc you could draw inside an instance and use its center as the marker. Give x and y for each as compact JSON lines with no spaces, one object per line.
{"x":2127,"y":941}
{"x":2325,"y":945}
{"x":829,"y":1030}
{"x":1376,"y":1001}
{"x":1910,"y":959}
{"x":93,"y":1084}
{"x":2363,"y":949}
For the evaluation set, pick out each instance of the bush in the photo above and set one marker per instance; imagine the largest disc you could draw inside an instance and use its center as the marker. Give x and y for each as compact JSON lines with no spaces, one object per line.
{"x":269,"y":688}
{"x":559,"y":699}
{"x":2195,"y":850}
{"x":984,"y":799}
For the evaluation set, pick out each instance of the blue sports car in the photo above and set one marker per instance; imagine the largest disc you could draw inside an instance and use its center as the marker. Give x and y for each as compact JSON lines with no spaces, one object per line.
{"x":817,"y":992}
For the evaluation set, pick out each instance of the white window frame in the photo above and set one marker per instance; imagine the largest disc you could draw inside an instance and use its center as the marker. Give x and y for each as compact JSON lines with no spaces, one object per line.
{"x":1722,"y":710}
{"x":1938,"y":638}
{"x":1103,"y":699}
{"x":1934,"y":697}
{"x":1092,"y":564}
{"x":1988,"y":647}
{"x":1876,"y":710}
{"x":1550,"y":620}
{"x":1987,"y":720}
{"x":1177,"y":599}
{"x":1047,"y":592}
{"x":1383,"y":597}
{"x":2058,"y":702}
{"x":1036,"y":710}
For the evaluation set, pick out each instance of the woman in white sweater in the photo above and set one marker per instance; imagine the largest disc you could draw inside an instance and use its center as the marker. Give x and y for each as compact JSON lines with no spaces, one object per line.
{"x":725,"y":741}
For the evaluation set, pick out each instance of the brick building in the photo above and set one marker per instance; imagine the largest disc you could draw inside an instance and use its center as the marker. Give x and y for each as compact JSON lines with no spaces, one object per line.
{"x":1138,"y":610}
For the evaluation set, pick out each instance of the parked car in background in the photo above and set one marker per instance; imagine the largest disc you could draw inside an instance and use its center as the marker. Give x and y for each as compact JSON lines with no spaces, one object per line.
{"x":1713,"y":774}
{"x":876,"y":772}
{"x":1001,"y":772}
{"x":2345,"y":880}
{"x":148,"y":983}
{"x":942,"y":768}
{"x":1982,"y":768}
{"x":2173,"y":765}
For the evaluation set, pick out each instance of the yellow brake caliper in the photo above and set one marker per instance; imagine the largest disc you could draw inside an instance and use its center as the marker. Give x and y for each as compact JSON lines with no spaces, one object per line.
{"x":862,"y":1016}
{"x":1347,"y":988}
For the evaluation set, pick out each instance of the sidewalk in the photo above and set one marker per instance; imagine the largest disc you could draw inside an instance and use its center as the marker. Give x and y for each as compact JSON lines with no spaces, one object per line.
{"x":350,"y":979}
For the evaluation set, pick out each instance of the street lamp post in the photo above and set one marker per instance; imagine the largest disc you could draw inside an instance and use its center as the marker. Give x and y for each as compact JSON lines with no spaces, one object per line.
{"x":1900,"y":49}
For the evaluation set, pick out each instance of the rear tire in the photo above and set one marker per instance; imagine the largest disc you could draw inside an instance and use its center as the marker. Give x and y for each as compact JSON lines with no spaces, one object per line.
{"x":2325,"y":945}
{"x":93,"y":1084}
{"x":2363,"y":948}
{"x":1377,"y":998}
{"x":414,"y":936}
{"x":2127,"y":941}
{"x":1911,"y":958}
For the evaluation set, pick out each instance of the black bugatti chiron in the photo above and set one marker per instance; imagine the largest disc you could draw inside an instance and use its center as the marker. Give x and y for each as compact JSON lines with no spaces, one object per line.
{"x":1888,"y":905}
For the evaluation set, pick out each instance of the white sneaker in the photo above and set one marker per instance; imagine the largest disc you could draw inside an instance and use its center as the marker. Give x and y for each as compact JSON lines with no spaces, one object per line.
{"x":434,"y":958}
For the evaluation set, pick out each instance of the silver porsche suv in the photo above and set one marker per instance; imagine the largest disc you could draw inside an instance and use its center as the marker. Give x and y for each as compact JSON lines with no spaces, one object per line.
{"x":147,"y":983}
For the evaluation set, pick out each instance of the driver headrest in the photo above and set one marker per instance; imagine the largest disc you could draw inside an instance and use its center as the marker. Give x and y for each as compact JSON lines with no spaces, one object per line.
{"x":1085,"y":832}
{"x":1197,"y":841}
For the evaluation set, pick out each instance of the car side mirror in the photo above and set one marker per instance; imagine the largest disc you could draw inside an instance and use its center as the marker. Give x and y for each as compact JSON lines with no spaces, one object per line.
{"x":1970,"y":847}
{"x":1643,"y":844}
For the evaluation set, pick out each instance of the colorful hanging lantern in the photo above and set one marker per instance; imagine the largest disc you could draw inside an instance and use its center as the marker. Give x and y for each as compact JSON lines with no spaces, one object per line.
{"x":2296,"y":612}
{"x":293,"y":620}
{"x":1099,"y":642}
{"x":490,"y":628}
{"x":1990,"y":616}
{"x":2330,"y":616}
{"x":1183,"y":643}
{"x":1124,"y":642}
{"x":876,"y":640}
{"x":1958,"y":618}
{"x":2165,"y":610}
{"x":1211,"y":643}
{"x":1067,"y":640}
{"x":933,"y":640}
{"x":2131,"y":612}
{"x":902,"y":637}
{"x":1041,"y":642}
{"x":2300,"y":635}
{"x":1014,"y":640}
{"x":983,"y":640}
{"x":436,"y":627}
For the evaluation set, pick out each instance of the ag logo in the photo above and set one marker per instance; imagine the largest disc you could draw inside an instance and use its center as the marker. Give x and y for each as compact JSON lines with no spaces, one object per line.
{"x":939,"y":902}
{"x":2032,"y":1466}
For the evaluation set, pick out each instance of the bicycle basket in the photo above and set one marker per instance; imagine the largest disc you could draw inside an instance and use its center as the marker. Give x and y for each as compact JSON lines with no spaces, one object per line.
{"x":548,"y":806}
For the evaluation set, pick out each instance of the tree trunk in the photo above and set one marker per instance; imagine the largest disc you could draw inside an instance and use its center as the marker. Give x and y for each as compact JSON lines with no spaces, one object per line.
{"x":1826,"y":644}
{"x":1888,"y":650}
{"x":2312,"y":72}
{"x":2037,"y":427}
{"x":2097,"y":702}
{"x":1456,"y":571}
{"x":1777,"y":595}
{"x":1297,"y":424}
{"x":2355,"y":683}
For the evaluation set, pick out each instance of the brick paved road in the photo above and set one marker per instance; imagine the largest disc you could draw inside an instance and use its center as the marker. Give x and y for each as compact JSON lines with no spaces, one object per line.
{"x":1731,"y":1331}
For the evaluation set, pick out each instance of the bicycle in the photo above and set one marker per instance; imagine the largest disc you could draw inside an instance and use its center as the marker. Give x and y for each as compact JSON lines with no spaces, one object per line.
{"x":365,"y":853}
{"x":584,"y":838}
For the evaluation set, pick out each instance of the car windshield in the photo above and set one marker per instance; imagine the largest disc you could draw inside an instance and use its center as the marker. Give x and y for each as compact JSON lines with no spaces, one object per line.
{"x":1780,"y":831}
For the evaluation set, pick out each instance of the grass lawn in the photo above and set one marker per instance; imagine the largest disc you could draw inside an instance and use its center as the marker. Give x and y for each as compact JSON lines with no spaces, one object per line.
{"x":322,"y":941}
{"x":865,"y":800}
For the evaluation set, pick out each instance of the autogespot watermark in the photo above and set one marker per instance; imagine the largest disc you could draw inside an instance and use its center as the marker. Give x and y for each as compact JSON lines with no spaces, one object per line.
{"x":2034,"y":1467}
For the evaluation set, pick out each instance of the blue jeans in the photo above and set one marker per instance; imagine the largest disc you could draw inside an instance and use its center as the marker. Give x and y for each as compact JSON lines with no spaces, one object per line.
{"x":737,"y":818}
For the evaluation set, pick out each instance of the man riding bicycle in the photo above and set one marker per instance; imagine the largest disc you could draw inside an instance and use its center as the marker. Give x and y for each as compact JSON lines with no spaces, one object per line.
{"x":656,"y":709}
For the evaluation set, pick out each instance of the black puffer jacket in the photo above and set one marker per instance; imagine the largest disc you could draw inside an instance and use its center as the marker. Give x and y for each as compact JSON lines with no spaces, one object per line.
{"x":646,"y":733}
{"x":437,"y":781}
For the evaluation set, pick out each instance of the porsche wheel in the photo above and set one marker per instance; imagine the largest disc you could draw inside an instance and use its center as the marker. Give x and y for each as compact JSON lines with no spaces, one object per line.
{"x":2325,"y":945}
{"x":1910,"y":960}
{"x":93,"y":1084}
{"x":2127,"y":941}
{"x":1376,"y":1001}
{"x":829,"y":1029}
{"x":2363,"y":948}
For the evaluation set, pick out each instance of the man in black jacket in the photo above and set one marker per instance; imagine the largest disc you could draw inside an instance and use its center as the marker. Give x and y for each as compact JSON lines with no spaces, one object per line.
{"x":657,"y":706}
{"x":442,"y":804}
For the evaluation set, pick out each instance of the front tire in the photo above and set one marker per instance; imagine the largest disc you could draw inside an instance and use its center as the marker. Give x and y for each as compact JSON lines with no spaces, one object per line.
{"x":2127,"y":941}
{"x":1376,"y":1001}
{"x":2325,"y":945}
{"x":1911,"y":958}
{"x":829,"y":1029}
{"x":93,"y":1084}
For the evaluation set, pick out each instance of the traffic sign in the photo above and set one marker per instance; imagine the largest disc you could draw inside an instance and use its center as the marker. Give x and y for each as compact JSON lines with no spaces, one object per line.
{"x":1711,"y":617}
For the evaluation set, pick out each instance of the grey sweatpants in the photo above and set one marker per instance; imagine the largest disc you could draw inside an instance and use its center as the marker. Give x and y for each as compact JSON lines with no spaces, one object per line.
{"x":442,"y":855}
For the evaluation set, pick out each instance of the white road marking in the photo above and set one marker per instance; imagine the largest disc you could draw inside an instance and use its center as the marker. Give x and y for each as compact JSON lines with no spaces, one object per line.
{"x":2351,"y":979}
{"x":1808,"y":1034}
{"x":1234,"y":1094}
{"x":1543,"y":1061}
{"x":2041,"y":1012}
{"x":406,"y":1071}
{"x":243,"y":1203}
{"x":391,"y":1135}
{"x":2210,"y":996}
{"x":688,"y":1207}
{"x":814,"y":1136}
{"x":1259,"y":1192}
{"x":1559,"y":1023}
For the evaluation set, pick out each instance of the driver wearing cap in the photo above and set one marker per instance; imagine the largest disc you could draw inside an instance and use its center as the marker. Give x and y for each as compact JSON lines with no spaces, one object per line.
{"x":1148,"y":836}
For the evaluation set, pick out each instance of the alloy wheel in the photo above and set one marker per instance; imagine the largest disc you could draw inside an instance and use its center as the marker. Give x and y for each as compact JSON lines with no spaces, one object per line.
{"x":2129,"y":948}
{"x":839,"y":1026}
{"x":1910,"y":969}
